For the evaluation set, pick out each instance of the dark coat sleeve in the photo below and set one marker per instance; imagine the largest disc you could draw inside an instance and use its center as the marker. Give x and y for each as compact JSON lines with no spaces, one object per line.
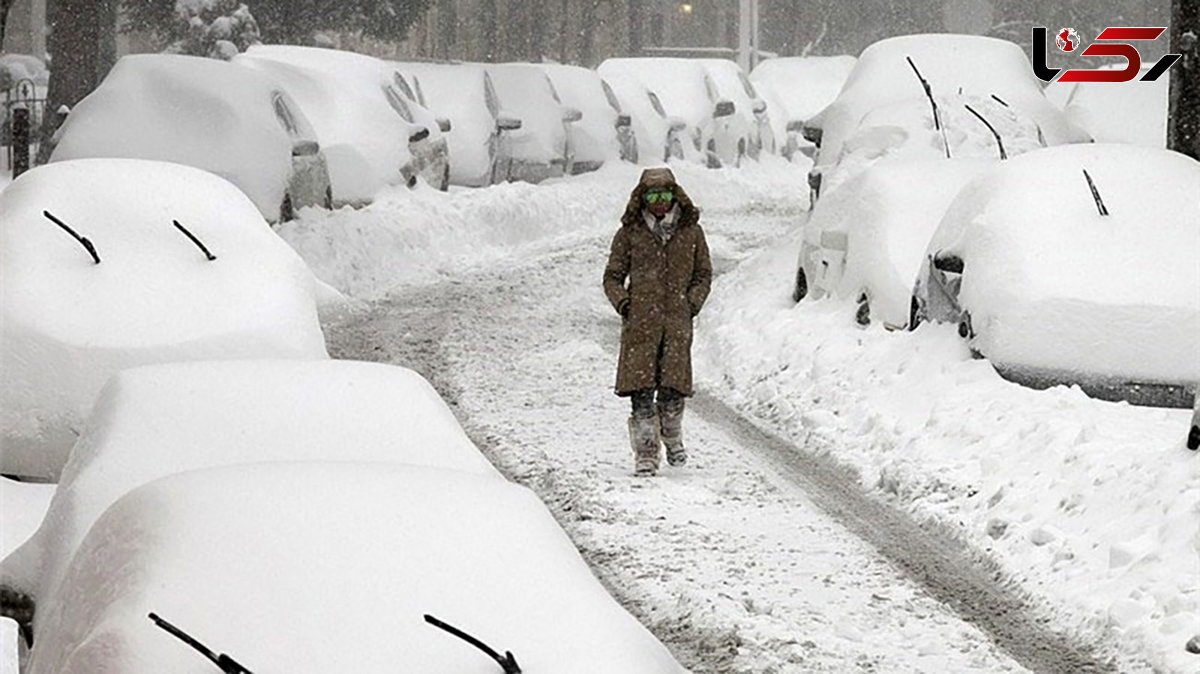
{"x":701,"y":283}
{"x":616,"y":272}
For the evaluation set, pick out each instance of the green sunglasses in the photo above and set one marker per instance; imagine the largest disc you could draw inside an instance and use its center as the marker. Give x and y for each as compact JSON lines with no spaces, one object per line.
{"x":655,"y":197}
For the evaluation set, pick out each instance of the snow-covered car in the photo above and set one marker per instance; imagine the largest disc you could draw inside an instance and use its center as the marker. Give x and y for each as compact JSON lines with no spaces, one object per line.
{"x":1076,"y":264}
{"x":153,"y":421}
{"x":309,"y":567}
{"x":657,"y":137}
{"x":688,"y":92}
{"x":538,"y":150}
{"x":865,"y":243}
{"x":957,"y":69}
{"x":1193,"y":438}
{"x":463,"y":93}
{"x":604,"y":133}
{"x":751,"y":108}
{"x":1134,"y":112}
{"x":207,"y":113}
{"x":134,"y":288}
{"x":796,"y":89}
{"x":352,"y":103}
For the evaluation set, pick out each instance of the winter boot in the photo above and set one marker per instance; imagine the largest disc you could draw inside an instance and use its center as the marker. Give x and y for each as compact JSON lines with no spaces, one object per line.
{"x":670,"y":420}
{"x":643,"y":438}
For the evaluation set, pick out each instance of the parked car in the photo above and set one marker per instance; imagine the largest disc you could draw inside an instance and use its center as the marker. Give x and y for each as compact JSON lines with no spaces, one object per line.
{"x":1135,"y":112}
{"x":658,"y":137}
{"x":150,"y":422}
{"x":538,"y":150}
{"x":133,"y":289}
{"x":864,"y":243}
{"x":352,"y":103}
{"x":970,"y":67}
{"x":688,"y":92}
{"x":1076,"y":265}
{"x":463,"y":93}
{"x":796,"y":89}
{"x":336,"y":567}
{"x":206,"y":113}
{"x":605,"y":132}
{"x":751,"y":108}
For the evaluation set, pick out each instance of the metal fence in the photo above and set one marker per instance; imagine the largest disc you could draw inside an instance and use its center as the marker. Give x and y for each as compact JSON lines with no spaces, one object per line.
{"x":23,"y":95}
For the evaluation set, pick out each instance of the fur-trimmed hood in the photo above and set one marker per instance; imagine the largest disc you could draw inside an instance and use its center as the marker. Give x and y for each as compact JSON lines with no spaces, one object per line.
{"x":658,"y":178}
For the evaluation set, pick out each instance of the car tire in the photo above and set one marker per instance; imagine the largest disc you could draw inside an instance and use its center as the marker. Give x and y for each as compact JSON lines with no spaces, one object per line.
{"x":328,"y":202}
{"x":1193,"y":440}
{"x":914,"y":313}
{"x":800,"y":286}
{"x":446,"y":179}
{"x":862,"y":315}
{"x":286,"y":210}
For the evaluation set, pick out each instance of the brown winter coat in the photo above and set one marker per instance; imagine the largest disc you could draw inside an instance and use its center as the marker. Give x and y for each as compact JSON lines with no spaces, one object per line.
{"x":667,"y":285}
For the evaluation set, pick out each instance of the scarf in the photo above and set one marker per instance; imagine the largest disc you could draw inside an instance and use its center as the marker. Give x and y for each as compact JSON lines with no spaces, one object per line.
{"x":663,"y":228}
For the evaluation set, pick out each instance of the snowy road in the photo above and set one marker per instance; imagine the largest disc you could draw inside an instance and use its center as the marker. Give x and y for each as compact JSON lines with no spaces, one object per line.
{"x":752,"y":559}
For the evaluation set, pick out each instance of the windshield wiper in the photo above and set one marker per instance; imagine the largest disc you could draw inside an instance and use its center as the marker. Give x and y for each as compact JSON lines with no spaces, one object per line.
{"x":227,"y":664}
{"x":507,"y":662}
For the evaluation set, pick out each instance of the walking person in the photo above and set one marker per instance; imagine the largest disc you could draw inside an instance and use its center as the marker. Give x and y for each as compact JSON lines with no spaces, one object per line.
{"x":657,"y":278}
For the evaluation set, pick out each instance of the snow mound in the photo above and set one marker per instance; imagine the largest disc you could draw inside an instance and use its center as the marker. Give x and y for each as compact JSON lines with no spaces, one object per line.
{"x":154,"y":421}
{"x":68,"y":324}
{"x":331,"y":567}
{"x":22,"y":507}
{"x":1131,"y":112}
{"x":1052,"y":284}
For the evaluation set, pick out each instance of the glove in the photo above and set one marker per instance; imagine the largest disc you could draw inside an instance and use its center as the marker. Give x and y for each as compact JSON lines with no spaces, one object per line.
{"x":623,"y":308}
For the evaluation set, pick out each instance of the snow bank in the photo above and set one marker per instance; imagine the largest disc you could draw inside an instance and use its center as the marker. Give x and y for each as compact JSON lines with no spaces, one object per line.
{"x":364,"y":139}
{"x":953,"y":65}
{"x":154,"y":421}
{"x":68,"y":324}
{"x":594,"y":137}
{"x":526,"y":93}
{"x":1051,"y":284}
{"x":330,"y":567}
{"x":462,"y":93}
{"x":886,"y":216}
{"x":1089,"y":503}
{"x":200,"y":112}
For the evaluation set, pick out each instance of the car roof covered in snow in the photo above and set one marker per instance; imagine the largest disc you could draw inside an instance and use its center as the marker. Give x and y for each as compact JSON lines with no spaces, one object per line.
{"x":196,"y":111}
{"x":323,"y":567}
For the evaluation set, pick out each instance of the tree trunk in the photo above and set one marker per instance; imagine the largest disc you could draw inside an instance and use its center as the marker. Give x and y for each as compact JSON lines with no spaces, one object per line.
{"x":1183,"y":119}
{"x":4,"y":7}
{"x":82,"y":44}
{"x":635,"y":27}
{"x":488,"y":29}
{"x":447,"y":25}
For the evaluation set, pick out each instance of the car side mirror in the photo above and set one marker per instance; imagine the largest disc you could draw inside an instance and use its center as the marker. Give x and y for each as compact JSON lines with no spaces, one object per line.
{"x":443,"y":124}
{"x":571,"y":115}
{"x":723,"y":109}
{"x":305,"y":148}
{"x":811,"y":133}
{"x":948,"y":262}
{"x":624,"y":120}
{"x":508,"y":123}
{"x":759,"y":106}
{"x":419,"y":135}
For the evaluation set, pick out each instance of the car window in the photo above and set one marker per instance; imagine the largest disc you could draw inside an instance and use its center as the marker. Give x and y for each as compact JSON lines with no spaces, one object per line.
{"x":284,"y":114}
{"x":747,"y":85}
{"x":656,"y":104}
{"x":711,"y":89}
{"x":553,"y":91}
{"x":397,"y":102}
{"x":420,"y":94}
{"x":402,"y":84}
{"x":611,"y":96}
{"x":489,"y":95}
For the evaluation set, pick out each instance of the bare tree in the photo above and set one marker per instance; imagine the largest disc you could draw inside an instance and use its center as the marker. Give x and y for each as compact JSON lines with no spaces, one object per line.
{"x":83,"y":46}
{"x":1183,"y":126}
{"x":5,"y":5}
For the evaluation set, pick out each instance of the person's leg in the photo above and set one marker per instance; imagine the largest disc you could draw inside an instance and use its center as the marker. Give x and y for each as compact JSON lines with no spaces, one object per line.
{"x":643,"y":432}
{"x":670,"y":419}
